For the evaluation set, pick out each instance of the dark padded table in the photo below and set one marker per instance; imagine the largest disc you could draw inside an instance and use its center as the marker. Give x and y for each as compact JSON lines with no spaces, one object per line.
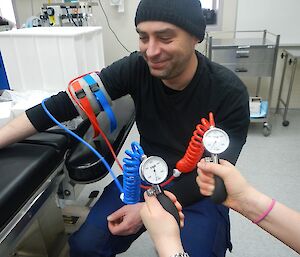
{"x":27,"y":163}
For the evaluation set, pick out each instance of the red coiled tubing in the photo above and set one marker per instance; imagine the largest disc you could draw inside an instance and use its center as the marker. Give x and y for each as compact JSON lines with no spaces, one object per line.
{"x":195,"y":148}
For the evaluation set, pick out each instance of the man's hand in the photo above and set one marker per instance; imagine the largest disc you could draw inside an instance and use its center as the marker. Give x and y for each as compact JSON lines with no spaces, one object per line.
{"x":126,"y":220}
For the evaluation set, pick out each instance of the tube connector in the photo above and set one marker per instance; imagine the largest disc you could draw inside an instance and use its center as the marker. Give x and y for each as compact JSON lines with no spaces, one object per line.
{"x":176,"y":173}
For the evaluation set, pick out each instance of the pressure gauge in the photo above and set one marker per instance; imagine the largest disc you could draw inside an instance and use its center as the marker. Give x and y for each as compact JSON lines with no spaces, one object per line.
{"x":153,"y":170}
{"x":215,"y":140}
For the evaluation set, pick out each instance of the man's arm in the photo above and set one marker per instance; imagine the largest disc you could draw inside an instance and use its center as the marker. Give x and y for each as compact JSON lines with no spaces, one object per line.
{"x":16,"y":130}
{"x":36,"y":120}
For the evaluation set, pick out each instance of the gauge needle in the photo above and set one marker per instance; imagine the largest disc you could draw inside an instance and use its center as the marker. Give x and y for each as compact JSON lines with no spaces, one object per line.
{"x":214,"y":143}
{"x":155,"y":173}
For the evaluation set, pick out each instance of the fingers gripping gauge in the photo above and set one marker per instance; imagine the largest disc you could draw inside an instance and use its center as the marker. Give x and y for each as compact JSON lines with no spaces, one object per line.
{"x":216,"y":141}
{"x":154,"y":170}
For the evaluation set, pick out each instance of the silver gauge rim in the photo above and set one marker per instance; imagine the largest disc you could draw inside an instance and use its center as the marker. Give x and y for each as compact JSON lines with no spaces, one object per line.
{"x":143,"y":165}
{"x":212,"y":130}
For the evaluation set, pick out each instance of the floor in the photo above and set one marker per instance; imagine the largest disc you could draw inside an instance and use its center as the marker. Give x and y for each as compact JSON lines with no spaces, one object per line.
{"x":272,"y":165}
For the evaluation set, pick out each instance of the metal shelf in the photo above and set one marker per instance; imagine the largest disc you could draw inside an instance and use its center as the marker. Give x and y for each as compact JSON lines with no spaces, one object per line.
{"x":247,"y":56}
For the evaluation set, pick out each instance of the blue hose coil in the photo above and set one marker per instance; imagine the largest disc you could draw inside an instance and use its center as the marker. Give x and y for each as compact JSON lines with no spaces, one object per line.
{"x":131,"y":176}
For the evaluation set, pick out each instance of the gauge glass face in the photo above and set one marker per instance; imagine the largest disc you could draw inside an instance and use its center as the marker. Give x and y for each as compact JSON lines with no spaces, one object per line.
{"x":154,"y":170}
{"x":215,"y":140}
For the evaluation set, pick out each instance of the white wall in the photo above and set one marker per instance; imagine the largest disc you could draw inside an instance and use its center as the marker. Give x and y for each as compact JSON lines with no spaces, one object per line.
{"x":123,"y":26}
{"x":6,"y":10}
{"x":280,"y":17}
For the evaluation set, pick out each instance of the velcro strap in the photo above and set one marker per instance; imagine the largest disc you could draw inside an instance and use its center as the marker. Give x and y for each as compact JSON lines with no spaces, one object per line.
{"x":102,"y":100}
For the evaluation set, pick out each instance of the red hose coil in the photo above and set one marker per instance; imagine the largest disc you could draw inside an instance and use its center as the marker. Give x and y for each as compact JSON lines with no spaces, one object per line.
{"x":195,"y":148}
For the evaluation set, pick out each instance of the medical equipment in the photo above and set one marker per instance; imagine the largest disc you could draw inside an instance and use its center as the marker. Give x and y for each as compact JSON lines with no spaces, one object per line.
{"x":154,"y":170}
{"x":101,"y":99}
{"x":130,"y":193}
{"x":195,"y":148}
{"x":131,"y":177}
{"x":216,"y":141}
{"x":67,"y":14}
{"x":92,"y":100}
{"x":85,"y":143}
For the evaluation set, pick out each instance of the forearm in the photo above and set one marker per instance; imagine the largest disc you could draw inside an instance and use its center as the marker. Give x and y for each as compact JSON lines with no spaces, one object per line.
{"x":35,"y":119}
{"x":16,"y":130}
{"x":282,"y":222}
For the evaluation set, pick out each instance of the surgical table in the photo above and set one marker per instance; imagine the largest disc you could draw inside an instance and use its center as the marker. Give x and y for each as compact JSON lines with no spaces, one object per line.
{"x":32,"y":171}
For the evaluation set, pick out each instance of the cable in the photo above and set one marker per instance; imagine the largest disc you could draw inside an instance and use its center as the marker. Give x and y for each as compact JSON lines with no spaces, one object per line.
{"x":85,"y":143}
{"x":70,"y":19}
{"x":108,"y":24}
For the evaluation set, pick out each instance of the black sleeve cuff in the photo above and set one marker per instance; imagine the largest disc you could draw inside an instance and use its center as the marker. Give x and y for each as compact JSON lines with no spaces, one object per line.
{"x":60,"y":106}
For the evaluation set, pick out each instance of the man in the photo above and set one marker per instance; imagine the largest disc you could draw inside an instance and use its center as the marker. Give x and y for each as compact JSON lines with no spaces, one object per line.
{"x":173,"y":87}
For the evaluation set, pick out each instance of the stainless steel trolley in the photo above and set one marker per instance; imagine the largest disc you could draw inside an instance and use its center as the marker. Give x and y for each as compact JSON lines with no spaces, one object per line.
{"x":291,"y":56}
{"x":248,"y":56}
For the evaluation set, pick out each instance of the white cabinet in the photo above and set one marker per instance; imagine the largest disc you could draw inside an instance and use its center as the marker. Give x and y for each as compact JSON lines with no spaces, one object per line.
{"x":47,"y":58}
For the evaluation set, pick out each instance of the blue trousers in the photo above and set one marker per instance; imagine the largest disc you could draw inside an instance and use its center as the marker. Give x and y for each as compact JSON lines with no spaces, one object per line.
{"x":206,"y":232}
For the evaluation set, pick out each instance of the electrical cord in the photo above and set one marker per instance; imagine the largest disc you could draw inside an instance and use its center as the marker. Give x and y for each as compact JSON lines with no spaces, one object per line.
{"x":108,"y":24}
{"x":70,"y":19}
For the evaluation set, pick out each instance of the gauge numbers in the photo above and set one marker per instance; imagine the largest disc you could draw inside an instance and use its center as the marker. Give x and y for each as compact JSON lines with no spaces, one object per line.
{"x":215,"y":140}
{"x":154,"y":170}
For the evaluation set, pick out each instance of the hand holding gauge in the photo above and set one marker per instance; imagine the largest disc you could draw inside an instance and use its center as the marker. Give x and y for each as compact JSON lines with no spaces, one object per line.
{"x":216,"y":141}
{"x":154,"y":170}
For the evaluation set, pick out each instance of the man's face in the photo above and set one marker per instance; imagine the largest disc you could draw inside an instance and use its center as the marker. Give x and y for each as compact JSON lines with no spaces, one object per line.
{"x":167,"y":49}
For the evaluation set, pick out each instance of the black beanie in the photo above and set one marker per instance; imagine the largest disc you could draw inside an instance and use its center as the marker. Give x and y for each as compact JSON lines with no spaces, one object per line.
{"x":186,"y":14}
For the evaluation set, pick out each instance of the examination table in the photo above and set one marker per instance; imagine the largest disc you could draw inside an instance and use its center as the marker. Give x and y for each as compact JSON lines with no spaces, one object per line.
{"x":31,"y":176}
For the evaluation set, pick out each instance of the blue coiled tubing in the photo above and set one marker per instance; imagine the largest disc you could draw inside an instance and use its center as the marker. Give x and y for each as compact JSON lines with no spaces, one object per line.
{"x":131,"y":176}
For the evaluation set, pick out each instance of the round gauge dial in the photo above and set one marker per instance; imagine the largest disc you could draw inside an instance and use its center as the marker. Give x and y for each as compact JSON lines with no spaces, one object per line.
{"x":153,"y":170}
{"x":215,"y":140}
